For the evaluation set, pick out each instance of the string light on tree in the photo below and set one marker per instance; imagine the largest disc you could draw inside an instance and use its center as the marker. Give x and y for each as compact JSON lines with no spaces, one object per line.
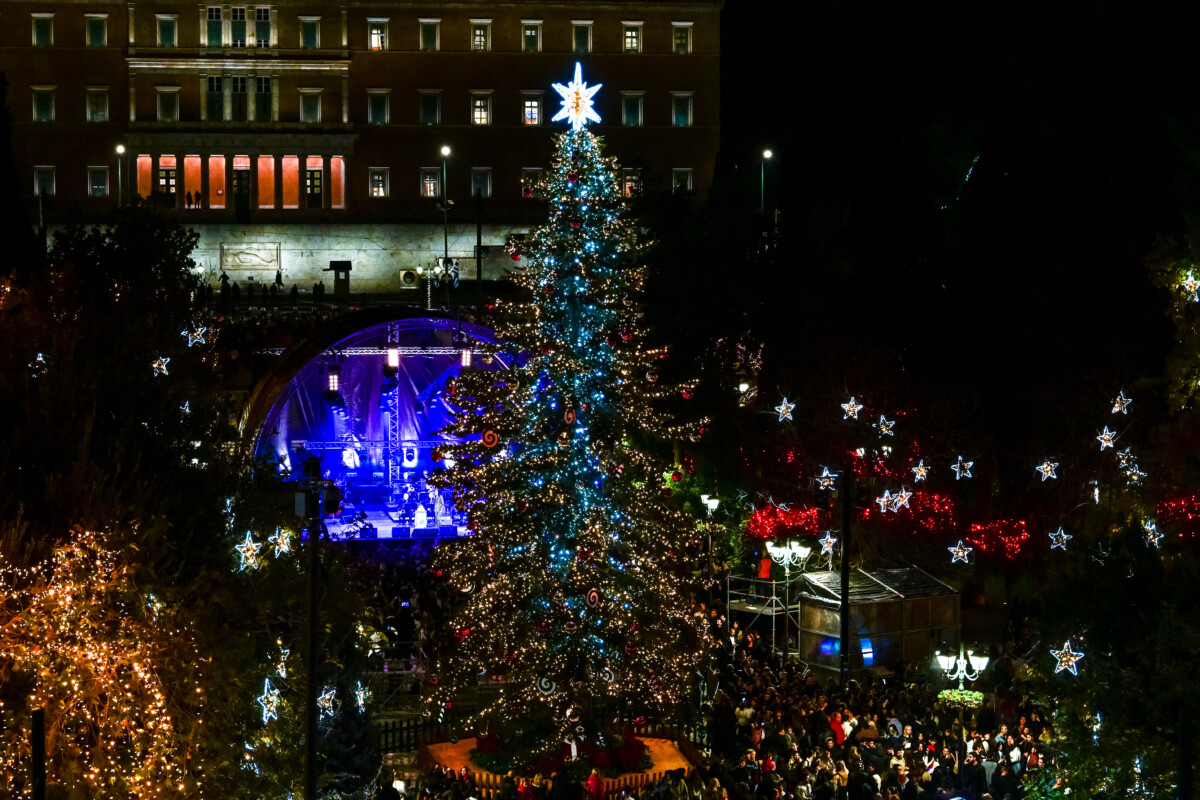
{"x":921,"y":472}
{"x":962,"y":469}
{"x":1121,"y":404}
{"x":1067,"y":659}
{"x":1058,"y":539}
{"x":1047,"y":469}
{"x":281,"y":663}
{"x":851,"y":409}
{"x":1106,"y":438}
{"x":885,"y":426}
{"x":960,"y":552}
{"x":160,"y":365}
{"x":784,"y":410}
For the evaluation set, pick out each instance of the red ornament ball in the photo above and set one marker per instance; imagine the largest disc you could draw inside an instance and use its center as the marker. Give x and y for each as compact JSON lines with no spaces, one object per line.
{"x":576,"y":223}
{"x":547,"y":349}
{"x":677,"y":476}
{"x":626,"y":335}
{"x":572,"y":176}
{"x":613,"y":340}
{"x":688,"y":394}
{"x":527,"y":192}
{"x":548,"y":288}
{"x":471,"y":525}
{"x":667,"y":491}
{"x":515,"y":257}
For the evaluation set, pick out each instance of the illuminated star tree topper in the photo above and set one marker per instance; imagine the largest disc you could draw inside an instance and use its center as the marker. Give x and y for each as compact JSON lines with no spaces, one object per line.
{"x":577,"y":101}
{"x":1067,"y":659}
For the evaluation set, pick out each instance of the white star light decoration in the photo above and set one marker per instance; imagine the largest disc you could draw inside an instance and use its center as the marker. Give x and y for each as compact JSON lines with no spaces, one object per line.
{"x":577,"y":101}
{"x":326,"y":702}
{"x":1067,"y":659}
{"x":248,"y":550}
{"x":281,"y":664}
{"x":1125,"y":457}
{"x":194,"y":336}
{"x":920,"y":471}
{"x":827,"y":542}
{"x":362,"y":696}
{"x":1106,"y":438}
{"x":962,"y":469}
{"x":960,"y":552}
{"x":282,"y":542}
{"x":885,"y":502}
{"x":1121,"y":404}
{"x":784,"y":410}
{"x":826,"y":479}
{"x":1190,"y":286}
{"x":1133,"y":475}
{"x":885,"y":426}
{"x":1153,"y":535}
{"x":852,"y":408}
{"x":160,"y":365}
{"x":1059,"y":539}
{"x":901,"y":498}
{"x":269,"y":700}
{"x":1046,"y":469}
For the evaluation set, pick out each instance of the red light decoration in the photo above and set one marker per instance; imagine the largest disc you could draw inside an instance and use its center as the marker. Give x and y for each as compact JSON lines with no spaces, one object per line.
{"x":929,"y":513}
{"x":1181,"y":514}
{"x":1002,"y":536}
{"x":772,"y":522}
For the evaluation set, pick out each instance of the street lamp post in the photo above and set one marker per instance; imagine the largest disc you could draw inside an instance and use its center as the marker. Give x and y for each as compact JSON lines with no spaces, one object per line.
{"x":762,"y":182}
{"x":962,"y":667}
{"x":445,"y":207}
{"x":789,"y":555}
{"x":120,"y":182}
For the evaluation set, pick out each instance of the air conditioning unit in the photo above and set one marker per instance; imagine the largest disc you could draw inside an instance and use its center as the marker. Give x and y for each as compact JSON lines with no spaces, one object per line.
{"x":410,"y":279}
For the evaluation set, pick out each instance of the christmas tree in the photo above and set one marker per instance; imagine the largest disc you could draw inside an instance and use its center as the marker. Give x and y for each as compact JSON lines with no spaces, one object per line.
{"x":574,"y":577}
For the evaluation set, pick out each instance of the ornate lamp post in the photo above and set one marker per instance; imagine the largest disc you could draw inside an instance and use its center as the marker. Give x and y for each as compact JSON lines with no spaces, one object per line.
{"x":788,"y":555}
{"x":962,"y":667}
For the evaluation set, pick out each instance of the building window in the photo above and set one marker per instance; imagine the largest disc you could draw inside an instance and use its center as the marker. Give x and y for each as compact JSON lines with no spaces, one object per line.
{"x":531,"y":36}
{"x":216,"y":181}
{"x":241,"y":101}
{"x":531,"y":109}
{"x":431,"y":181}
{"x":314,"y":181}
{"x":214,"y":98}
{"x":266,"y":181}
{"x":97,"y":181}
{"x":310,"y":33}
{"x":168,"y":178}
{"x":681,"y":180}
{"x":481,"y":181}
{"x":631,"y":109}
{"x":262,"y":27}
{"x":310,"y":106}
{"x":43,"y":181}
{"x":97,"y":105}
{"x":378,"y":180}
{"x":168,"y":34}
{"x":681,"y":37}
{"x":431,"y":35}
{"x":337,"y":182}
{"x":481,"y":35}
{"x":213,"y":35}
{"x":377,"y":34}
{"x":681,"y":109}
{"x":530,"y":178}
{"x":43,"y":31}
{"x":431,"y":108}
{"x":631,"y":182}
{"x":581,"y":36}
{"x":481,"y":109}
{"x":43,"y":104}
{"x":262,"y":100}
{"x":97,"y":30}
{"x":377,"y":106}
{"x":237,"y":27}
{"x":632,"y":39}
{"x":168,"y":104}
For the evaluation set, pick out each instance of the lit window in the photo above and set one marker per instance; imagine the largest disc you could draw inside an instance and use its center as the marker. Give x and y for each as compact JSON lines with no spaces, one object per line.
{"x":168,"y":104}
{"x":43,"y":181}
{"x":310,"y":106}
{"x":314,"y":181}
{"x":430,"y":35}
{"x":431,"y":181}
{"x":167,"y":31}
{"x":262,"y":99}
{"x":237,"y":28}
{"x":262,"y":27}
{"x":531,"y":109}
{"x":530,"y":178}
{"x":481,"y":181}
{"x":377,"y":107}
{"x":97,"y":105}
{"x":681,"y":37}
{"x":97,"y":181}
{"x":240,"y":98}
{"x":681,"y":110}
{"x":214,"y":98}
{"x":43,"y":104}
{"x":431,"y":108}
{"x":266,"y":181}
{"x":631,"y":109}
{"x":310,"y":33}
{"x":633,"y":37}
{"x":377,"y":34}
{"x":631,"y":182}
{"x":97,"y":30}
{"x":43,"y":31}
{"x":481,"y":109}
{"x":289,"y":167}
{"x":681,"y":180}
{"x":168,"y":178}
{"x":582,"y":37}
{"x":212,"y":29}
{"x":378,"y":179}
{"x":481,"y":35}
{"x":531,"y":36}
